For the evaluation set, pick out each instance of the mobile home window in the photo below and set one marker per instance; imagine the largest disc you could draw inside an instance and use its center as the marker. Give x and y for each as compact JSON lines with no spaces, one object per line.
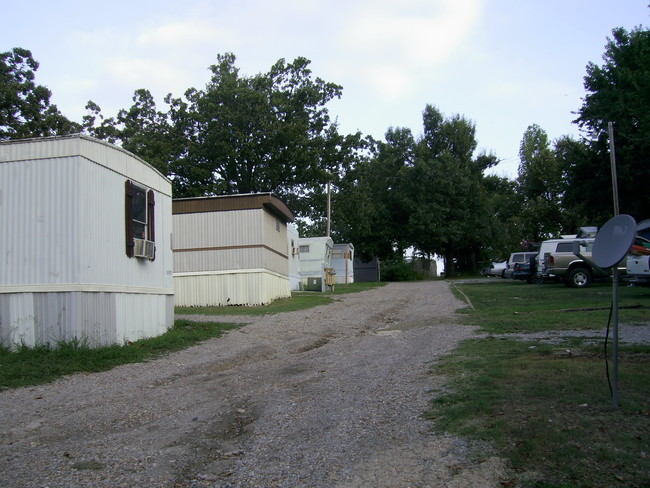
{"x":304,"y":248}
{"x":139,"y":215}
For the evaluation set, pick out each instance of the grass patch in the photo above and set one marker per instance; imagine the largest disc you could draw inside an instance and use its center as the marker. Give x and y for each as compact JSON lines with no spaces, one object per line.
{"x":29,"y":366}
{"x":513,"y":306}
{"x":546,"y":410}
{"x":301,"y":300}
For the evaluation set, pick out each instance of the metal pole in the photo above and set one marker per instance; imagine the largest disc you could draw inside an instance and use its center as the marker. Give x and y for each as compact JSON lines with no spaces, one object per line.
{"x":615,"y":334}
{"x":329,"y":208}
{"x":612,"y":159}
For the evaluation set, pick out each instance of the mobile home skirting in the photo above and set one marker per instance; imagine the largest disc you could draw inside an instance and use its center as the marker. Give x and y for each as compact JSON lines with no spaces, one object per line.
{"x":221,"y":288}
{"x":96,"y":318}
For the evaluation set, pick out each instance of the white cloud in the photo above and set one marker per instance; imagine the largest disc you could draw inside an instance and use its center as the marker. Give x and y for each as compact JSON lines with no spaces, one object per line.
{"x":429,"y":33}
{"x":157,"y":75}
{"x":184,"y":34}
{"x":413,"y":37}
{"x":390,"y":83}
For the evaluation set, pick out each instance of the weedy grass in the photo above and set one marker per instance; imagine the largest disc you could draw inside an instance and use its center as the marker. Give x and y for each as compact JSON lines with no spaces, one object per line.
{"x":27,"y":366}
{"x":547,"y":407}
{"x":298,"y":301}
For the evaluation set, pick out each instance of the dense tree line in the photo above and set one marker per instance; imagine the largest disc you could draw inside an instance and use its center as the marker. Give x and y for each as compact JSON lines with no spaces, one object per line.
{"x":431,"y":192}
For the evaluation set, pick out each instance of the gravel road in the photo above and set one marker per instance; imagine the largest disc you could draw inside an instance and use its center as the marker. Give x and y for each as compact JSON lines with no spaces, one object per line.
{"x":327,"y":397}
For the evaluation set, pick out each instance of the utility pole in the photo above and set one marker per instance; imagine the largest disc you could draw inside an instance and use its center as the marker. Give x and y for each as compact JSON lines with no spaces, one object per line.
{"x":329,"y":204}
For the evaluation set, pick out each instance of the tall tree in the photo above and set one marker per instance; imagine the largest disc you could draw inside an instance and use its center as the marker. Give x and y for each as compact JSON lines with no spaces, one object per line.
{"x":372,"y":198}
{"x":447,"y":212}
{"x":25,"y":108}
{"x":585,"y":201}
{"x":265,"y":133}
{"x":539,"y":185}
{"x":269,"y":132}
{"x":618,"y":91}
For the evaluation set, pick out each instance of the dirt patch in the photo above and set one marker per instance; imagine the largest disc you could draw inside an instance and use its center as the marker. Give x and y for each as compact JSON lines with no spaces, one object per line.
{"x":330,"y":397}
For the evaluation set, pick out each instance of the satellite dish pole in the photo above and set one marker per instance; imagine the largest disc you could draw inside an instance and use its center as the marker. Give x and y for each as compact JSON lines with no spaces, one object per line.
{"x":612,"y":159}
{"x":612,"y":244}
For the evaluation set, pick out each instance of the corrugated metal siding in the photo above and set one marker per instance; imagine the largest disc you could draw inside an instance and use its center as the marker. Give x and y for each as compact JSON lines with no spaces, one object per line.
{"x":63,"y":222}
{"x":102,"y":240}
{"x":100,"y":152}
{"x":62,"y":219}
{"x":140,"y":317}
{"x":217,"y":229}
{"x":197,"y":235}
{"x":95,"y":318}
{"x":254,"y":288}
{"x":39,"y":221}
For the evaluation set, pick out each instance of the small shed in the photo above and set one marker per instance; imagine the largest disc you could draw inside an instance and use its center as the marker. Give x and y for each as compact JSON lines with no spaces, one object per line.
{"x":85,"y":243}
{"x":230,"y":250}
{"x":367,"y":270}
{"x":343,"y":263}
{"x":293,"y":250}
{"x":315,"y":258}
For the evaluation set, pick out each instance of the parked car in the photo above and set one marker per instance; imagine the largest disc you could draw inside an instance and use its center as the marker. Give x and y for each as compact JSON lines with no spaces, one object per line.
{"x":495,"y":269}
{"x":564,"y":244}
{"x":517,"y":258}
{"x":525,"y":271}
{"x":546,"y":248}
{"x":574,"y":271}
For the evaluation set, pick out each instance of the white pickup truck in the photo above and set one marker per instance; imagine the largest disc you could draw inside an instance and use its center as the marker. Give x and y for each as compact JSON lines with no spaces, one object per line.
{"x":638,"y":261}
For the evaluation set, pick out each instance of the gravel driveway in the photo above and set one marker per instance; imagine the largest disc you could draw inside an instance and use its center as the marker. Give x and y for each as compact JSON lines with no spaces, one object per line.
{"x":328,"y":397}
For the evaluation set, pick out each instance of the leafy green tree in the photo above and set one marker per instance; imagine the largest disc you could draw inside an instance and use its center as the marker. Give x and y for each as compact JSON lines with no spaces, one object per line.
{"x":502,"y":207}
{"x":25,"y":108}
{"x":584,"y":201}
{"x":269,"y":132}
{"x":372,"y":211}
{"x":446,"y":198}
{"x":539,"y":185}
{"x":618,"y":91}
{"x":142,"y":130}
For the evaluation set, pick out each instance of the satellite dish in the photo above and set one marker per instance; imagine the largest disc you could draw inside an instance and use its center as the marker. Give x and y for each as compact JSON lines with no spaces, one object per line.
{"x":614,"y":240}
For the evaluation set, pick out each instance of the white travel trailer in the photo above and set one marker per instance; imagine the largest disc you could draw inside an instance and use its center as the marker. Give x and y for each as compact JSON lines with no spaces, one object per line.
{"x":230,"y":250}
{"x":85,"y":242}
{"x":315,"y":259}
{"x":294,"y":258}
{"x":343,"y":263}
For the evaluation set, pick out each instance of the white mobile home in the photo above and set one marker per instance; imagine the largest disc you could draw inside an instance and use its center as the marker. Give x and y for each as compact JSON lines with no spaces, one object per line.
{"x":294,"y":257}
{"x":230,"y":250}
{"x":315,"y":258}
{"x":85,"y":242}
{"x":343,"y":263}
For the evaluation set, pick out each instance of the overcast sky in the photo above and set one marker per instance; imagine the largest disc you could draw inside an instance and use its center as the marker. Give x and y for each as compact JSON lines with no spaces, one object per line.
{"x":504,"y":64}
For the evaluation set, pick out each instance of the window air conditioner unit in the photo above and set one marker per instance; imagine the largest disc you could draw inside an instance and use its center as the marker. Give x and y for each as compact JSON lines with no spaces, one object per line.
{"x":144,"y":248}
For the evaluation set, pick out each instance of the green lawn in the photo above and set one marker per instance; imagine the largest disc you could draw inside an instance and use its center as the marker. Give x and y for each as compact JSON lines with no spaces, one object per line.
{"x":547,"y":407}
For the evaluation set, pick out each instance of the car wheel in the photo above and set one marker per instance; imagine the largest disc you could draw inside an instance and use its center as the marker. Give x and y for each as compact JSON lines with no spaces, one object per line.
{"x":579,"y":278}
{"x":538,"y":279}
